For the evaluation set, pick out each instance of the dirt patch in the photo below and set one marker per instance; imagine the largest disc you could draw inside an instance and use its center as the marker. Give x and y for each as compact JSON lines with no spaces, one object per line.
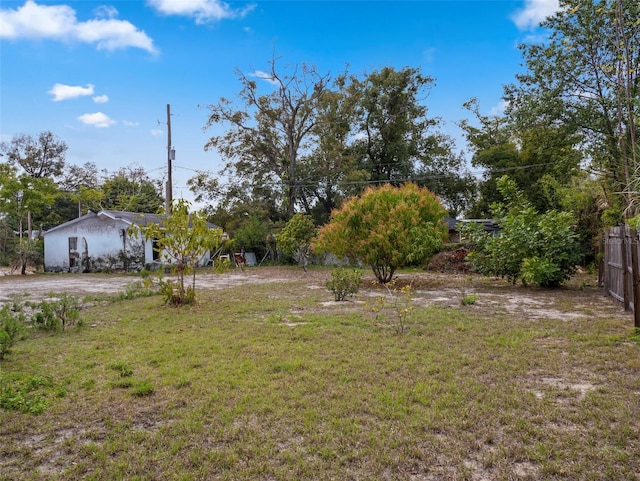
{"x":581,"y":298}
{"x":42,"y":286}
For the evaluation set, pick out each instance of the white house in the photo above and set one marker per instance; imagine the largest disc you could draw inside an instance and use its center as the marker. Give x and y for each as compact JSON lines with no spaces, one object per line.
{"x":101,"y":241}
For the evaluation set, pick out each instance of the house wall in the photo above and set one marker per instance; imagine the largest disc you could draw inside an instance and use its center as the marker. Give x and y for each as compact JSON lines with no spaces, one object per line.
{"x":96,"y":238}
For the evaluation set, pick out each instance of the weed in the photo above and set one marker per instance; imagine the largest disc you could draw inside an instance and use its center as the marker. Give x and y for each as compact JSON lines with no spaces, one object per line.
{"x":469,"y":299}
{"x":396,"y":312}
{"x":143,"y":388}
{"x":123,"y":383}
{"x":122,"y":368}
{"x":27,"y":394}
{"x":183,"y":383}
{"x":144,"y":288}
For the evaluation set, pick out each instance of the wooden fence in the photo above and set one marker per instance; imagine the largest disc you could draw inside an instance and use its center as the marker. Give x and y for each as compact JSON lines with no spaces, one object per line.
{"x":621,"y":269}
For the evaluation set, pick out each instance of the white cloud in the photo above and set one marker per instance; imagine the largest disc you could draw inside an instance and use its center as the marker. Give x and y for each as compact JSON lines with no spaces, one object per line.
{"x":64,"y":92}
{"x":203,"y":11}
{"x":59,"y":22}
{"x":97,"y":119}
{"x":101,"y":99}
{"x":498,"y":110}
{"x":267,"y":77}
{"x":106,"y":11}
{"x":534,"y":12}
{"x":128,"y":123}
{"x":156,"y":132}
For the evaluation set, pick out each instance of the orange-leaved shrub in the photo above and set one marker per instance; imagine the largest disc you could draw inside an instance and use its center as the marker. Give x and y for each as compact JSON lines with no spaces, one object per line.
{"x":386,"y":227}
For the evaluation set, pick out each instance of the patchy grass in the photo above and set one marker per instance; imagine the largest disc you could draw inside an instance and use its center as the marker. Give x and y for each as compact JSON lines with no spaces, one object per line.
{"x":271,"y":381}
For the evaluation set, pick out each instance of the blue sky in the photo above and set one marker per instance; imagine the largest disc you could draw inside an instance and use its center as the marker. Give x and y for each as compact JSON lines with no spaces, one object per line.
{"x":100,"y":74}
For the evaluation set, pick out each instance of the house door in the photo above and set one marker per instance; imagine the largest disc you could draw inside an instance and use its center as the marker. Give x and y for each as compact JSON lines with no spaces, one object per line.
{"x":73,"y":252}
{"x":85,"y":255}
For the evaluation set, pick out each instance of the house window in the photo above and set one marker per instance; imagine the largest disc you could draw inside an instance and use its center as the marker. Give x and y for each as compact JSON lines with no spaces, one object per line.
{"x":73,"y":243}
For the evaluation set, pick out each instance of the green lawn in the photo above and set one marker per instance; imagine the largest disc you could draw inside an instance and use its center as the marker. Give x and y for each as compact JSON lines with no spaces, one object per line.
{"x":272,"y":382}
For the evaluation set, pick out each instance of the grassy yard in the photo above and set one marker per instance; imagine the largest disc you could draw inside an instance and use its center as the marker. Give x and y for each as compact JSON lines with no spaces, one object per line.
{"x":275,"y":382}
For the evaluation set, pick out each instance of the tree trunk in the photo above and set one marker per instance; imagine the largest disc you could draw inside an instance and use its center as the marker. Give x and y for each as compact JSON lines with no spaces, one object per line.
{"x":384,"y":274}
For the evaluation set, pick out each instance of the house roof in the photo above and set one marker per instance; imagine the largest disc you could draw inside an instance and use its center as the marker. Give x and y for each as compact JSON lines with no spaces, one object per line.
{"x":137,"y":218}
{"x":132,"y":218}
{"x":487,"y":224}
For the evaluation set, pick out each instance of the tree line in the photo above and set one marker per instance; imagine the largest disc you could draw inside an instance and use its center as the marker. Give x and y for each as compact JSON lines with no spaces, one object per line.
{"x":299,"y":140}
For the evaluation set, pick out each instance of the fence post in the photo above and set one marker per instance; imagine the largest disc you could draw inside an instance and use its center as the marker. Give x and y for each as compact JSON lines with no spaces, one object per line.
{"x":625,"y":268}
{"x":604,"y":276}
{"x":635,"y":274}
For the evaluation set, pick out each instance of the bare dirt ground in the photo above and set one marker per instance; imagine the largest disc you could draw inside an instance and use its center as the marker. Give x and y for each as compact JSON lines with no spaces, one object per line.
{"x":579,"y":299}
{"x":41,"y":286}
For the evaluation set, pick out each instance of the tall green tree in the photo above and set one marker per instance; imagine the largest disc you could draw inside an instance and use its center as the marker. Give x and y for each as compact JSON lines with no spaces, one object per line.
{"x":540,"y":159}
{"x":23,"y":199}
{"x":38,"y":158}
{"x":395,"y":140}
{"x":330,"y":172}
{"x":308,"y":143}
{"x":392,"y":123}
{"x":585,"y":78}
{"x":81,"y":190}
{"x":130,"y":189}
{"x":268,"y":132}
{"x":38,"y":163}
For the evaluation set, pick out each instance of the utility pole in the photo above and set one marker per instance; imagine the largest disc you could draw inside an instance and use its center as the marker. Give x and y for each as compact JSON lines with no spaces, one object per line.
{"x":170,"y":156}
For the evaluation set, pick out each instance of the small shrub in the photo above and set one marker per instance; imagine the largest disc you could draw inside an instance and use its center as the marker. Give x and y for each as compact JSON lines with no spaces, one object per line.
{"x":221,"y":265}
{"x":46,"y":319}
{"x":55,"y":315}
{"x":12,"y":328}
{"x":469,"y":299}
{"x":396,"y":312}
{"x":344,"y":283}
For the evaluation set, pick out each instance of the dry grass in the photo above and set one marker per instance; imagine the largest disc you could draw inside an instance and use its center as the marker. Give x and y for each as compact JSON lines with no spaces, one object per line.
{"x":276,"y":382}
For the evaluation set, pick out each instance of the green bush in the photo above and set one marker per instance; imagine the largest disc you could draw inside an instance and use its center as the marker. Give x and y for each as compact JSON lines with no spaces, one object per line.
{"x":12,"y":328}
{"x":386,"y":228}
{"x":541,"y":271}
{"x":295,"y":239}
{"x":343,"y":283}
{"x":56,"y":315}
{"x":469,"y":299}
{"x":538,"y":248}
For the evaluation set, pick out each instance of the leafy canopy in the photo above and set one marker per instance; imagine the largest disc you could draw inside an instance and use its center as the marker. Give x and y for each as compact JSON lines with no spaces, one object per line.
{"x":386,"y":227}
